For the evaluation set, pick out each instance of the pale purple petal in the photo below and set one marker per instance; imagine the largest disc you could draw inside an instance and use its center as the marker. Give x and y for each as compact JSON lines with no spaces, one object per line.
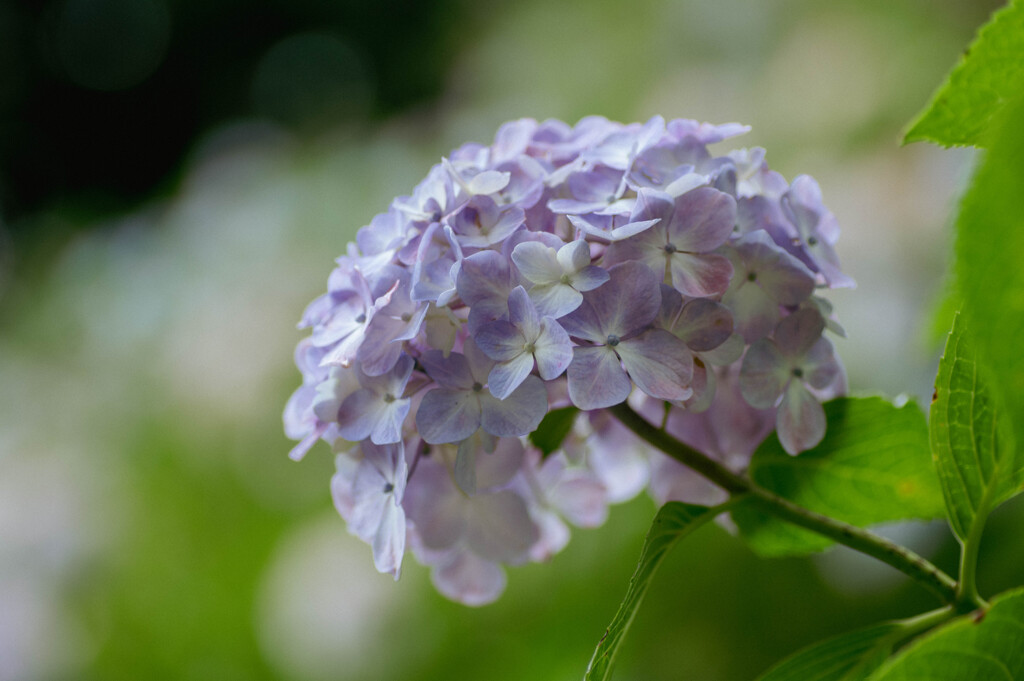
{"x":536,"y":262}
{"x":703,"y":324}
{"x":726,"y":353}
{"x":801,"y":420}
{"x":497,"y":468}
{"x":500,"y":340}
{"x":596,"y":378}
{"x":507,"y":376}
{"x":469,"y":579}
{"x":820,"y":367}
{"x":435,"y":507}
{"x":755,"y":314}
{"x":523,"y":314}
{"x":448,"y":415}
{"x":499,"y":528}
{"x":700,"y":275}
{"x":763,"y":375}
{"x":479,"y":363}
{"x":574,"y":256}
{"x":629,"y":300}
{"x":703,"y":220}
{"x":799,"y":331}
{"x":389,"y":540}
{"x":584,"y":322}
{"x":659,"y":363}
{"x":388,"y":420}
{"x":357,"y":416}
{"x":299,"y":451}
{"x":518,"y":414}
{"x":555,"y":300}
{"x":449,"y":372}
{"x":589,"y":278}
{"x":611,"y":233}
{"x":552,"y":349}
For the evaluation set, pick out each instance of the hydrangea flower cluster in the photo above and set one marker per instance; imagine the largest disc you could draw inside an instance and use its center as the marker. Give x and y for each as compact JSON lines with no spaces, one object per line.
{"x":563,"y":268}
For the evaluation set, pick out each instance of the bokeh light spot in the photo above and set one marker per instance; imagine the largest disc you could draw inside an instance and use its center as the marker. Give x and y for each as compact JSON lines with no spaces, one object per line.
{"x":111,"y":44}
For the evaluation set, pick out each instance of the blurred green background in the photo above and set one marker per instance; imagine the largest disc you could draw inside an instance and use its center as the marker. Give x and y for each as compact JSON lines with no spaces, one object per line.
{"x":176,"y":179}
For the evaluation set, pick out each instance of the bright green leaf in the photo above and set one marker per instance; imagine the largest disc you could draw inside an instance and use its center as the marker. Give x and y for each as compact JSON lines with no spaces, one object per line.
{"x":973,"y":470}
{"x":849,"y":657}
{"x":873,"y":466}
{"x":553,"y":429}
{"x":674,"y":521}
{"x":990,"y":241}
{"x":970,"y":648}
{"x":963,"y":110}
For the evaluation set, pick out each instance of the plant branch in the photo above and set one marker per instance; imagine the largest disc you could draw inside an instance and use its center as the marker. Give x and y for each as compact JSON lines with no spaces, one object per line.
{"x":869,"y":543}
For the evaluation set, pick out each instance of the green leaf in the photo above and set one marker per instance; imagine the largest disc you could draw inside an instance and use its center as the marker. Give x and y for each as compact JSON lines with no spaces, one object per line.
{"x":849,"y":657}
{"x":553,"y":429}
{"x":964,"y":108}
{"x":970,"y":648}
{"x":989,"y":244}
{"x":873,"y":466}
{"x":973,"y":470}
{"x":674,"y":521}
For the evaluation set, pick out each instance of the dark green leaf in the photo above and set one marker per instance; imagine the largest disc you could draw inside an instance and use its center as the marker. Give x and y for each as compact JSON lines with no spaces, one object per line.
{"x":674,"y":521}
{"x":553,"y":429}
{"x":963,"y":110}
{"x":873,"y":466}
{"x":970,"y":648}
{"x":990,"y":241}
{"x":850,"y":657}
{"x":974,"y":471}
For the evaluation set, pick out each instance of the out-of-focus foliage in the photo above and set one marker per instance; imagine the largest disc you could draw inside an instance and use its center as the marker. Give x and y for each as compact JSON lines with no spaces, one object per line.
{"x":848,"y":657}
{"x":973,"y":647}
{"x":673,"y":522}
{"x":990,"y":74}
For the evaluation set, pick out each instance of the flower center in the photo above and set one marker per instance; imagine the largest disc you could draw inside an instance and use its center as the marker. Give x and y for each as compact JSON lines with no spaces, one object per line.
{"x":566,"y":279}
{"x":529,"y":348}
{"x":812,"y":241}
{"x":613,"y":340}
{"x":388,"y":488}
{"x":406,"y":316}
{"x":389,"y":398}
{"x":477,"y":387}
{"x":670,"y":248}
{"x":798,"y":372}
{"x":361,"y":319}
{"x":752,"y":276}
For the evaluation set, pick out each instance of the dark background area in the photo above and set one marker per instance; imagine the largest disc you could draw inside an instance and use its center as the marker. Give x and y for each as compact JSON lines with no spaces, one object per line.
{"x":100,"y":99}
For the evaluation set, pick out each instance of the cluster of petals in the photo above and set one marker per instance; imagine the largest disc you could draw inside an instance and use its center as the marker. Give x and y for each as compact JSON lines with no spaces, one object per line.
{"x":563,"y":268}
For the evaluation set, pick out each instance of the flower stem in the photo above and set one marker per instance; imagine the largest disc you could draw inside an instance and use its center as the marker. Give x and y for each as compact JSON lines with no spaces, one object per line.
{"x":967,"y":586}
{"x":890,"y":553}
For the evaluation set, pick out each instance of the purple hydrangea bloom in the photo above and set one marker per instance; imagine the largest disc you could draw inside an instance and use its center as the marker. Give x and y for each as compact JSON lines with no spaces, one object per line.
{"x":370,"y":499}
{"x":797,"y":358}
{"x":462,"y":402}
{"x":680,"y":245}
{"x":558,"y":277}
{"x":519,"y":342}
{"x":563,"y":265}
{"x":614,"y":320}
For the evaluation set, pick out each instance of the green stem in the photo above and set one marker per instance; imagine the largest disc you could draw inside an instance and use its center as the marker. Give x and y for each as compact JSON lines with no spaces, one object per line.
{"x":890,"y":553}
{"x":967,"y":587}
{"x":912,"y":626}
